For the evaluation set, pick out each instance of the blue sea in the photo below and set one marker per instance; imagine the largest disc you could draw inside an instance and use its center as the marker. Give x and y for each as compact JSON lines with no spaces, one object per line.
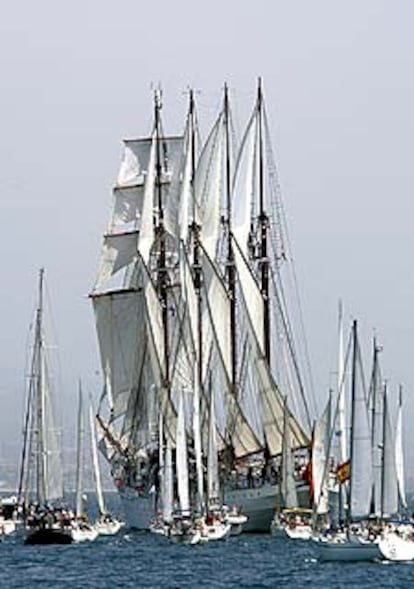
{"x":135,"y":560}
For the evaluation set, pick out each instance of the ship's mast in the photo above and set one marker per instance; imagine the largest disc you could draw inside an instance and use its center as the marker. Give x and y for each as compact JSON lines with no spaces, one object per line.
{"x":263,"y":224}
{"x":230,"y":254}
{"x":162,"y":277}
{"x":197,"y":280}
{"x":353,"y":416}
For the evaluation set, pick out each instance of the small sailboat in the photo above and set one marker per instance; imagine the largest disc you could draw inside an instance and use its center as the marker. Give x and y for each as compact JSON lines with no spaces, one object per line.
{"x":291,"y":521}
{"x":106,"y":524}
{"x":184,"y":528}
{"x":82,"y":530}
{"x":235,"y":518}
{"x":356,"y":543}
{"x":397,"y":542}
{"x":214,"y":526}
{"x":41,"y":478}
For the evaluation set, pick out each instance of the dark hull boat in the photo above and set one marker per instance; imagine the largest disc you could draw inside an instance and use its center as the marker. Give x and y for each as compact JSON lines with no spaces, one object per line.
{"x":48,"y":536}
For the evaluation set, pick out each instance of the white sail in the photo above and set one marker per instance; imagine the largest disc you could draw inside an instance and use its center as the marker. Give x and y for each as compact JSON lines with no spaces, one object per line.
{"x":192,"y":304}
{"x":244,"y":184}
{"x":399,"y":455}
{"x":118,"y":252}
{"x":146,"y":235}
{"x":289,"y":493}
{"x":217,"y":363}
{"x":186,"y":199}
{"x":41,"y":477}
{"x":208,"y":186}
{"x":127,"y":208}
{"x":361,"y":452}
{"x":320,"y":460}
{"x":389,"y":480}
{"x":168,"y":494}
{"x":212,"y":466}
{"x":95,"y":465}
{"x":218,"y":305}
{"x":134,"y":162}
{"x":376,"y":406}
{"x":341,"y":412}
{"x":121,"y":324}
{"x":270,"y":396}
{"x":79,"y":456}
{"x":252,"y":295}
{"x":182,"y":460}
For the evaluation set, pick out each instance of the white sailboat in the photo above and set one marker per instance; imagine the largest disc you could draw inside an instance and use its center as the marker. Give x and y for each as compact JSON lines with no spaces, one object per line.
{"x":214,"y":526}
{"x":396,"y":543}
{"x":41,"y":479}
{"x":82,"y":531}
{"x":399,"y":457}
{"x":106,"y":524}
{"x":354,"y":545}
{"x":184,"y":529}
{"x":290,"y":520}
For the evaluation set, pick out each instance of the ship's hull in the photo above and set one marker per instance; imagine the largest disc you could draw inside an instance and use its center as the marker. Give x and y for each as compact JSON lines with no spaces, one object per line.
{"x":260,"y":503}
{"x":48,"y":536}
{"x":138,"y":508}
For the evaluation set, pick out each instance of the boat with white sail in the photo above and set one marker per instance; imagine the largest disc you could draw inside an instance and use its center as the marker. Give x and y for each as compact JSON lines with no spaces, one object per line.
{"x":40,"y":491}
{"x":82,"y":530}
{"x":358,"y":541}
{"x":106,"y":524}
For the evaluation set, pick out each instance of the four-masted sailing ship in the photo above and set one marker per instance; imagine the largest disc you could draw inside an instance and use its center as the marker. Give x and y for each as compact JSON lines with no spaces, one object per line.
{"x":191,"y":309}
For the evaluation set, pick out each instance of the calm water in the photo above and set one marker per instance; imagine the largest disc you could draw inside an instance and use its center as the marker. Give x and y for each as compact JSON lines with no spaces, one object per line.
{"x":132,"y":560}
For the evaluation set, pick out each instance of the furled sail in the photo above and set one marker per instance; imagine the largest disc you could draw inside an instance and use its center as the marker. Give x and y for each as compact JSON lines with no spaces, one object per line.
{"x":288,"y":486}
{"x":389,"y":504}
{"x":320,"y":460}
{"x":182,"y":460}
{"x":361,"y":452}
{"x":399,"y":455}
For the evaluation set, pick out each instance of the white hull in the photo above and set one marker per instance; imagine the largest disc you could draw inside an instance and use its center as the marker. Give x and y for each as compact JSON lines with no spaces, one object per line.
{"x":237,"y":522}
{"x":259,"y":504}
{"x":214,"y":532}
{"x":138,"y":509}
{"x":81,"y":534}
{"x":191,"y":538}
{"x":395,"y":548}
{"x":299,"y":532}
{"x":7,"y":526}
{"x":109,"y":528}
{"x":347,"y":550}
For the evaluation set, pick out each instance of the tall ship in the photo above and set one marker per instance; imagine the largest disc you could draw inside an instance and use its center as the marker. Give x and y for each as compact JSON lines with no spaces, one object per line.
{"x":191,"y":308}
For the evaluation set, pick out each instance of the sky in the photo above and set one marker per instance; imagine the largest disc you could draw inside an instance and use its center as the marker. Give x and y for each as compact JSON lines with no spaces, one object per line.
{"x":77,"y":77}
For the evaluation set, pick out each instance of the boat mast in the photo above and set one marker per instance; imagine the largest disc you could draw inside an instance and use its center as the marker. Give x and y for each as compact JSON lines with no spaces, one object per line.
{"x":197,"y":280}
{"x":353,"y":416}
{"x":384,"y":442}
{"x":162,"y":278}
{"x":79,"y":455}
{"x":374,"y":378}
{"x":264,"y":224}
{"x":230,"y":254}
{"x":41,"y":450}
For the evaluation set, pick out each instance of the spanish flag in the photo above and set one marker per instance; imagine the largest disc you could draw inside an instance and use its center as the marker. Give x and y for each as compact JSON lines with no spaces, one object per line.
{"x":343,"y":471}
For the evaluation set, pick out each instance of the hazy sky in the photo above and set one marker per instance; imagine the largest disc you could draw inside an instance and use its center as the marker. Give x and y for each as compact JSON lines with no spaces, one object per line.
{"x":76,"y":77}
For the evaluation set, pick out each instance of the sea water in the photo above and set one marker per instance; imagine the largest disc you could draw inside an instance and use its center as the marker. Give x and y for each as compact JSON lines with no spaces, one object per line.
{"x":135,"y":560}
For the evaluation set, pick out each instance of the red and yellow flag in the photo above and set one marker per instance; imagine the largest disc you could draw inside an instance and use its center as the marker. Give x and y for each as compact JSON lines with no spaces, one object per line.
{"x":343,"y":471}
